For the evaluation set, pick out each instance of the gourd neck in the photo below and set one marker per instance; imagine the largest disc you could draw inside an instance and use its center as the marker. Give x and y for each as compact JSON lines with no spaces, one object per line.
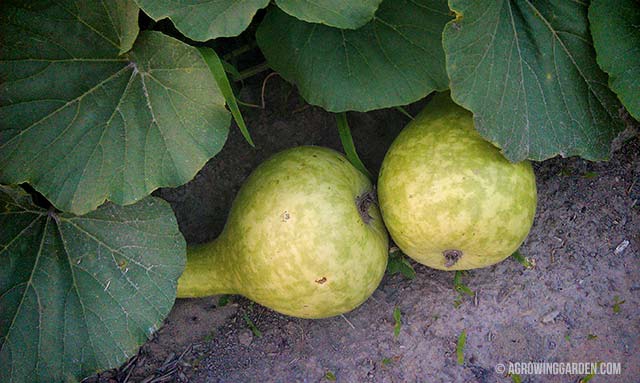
{"x":207,"y":271}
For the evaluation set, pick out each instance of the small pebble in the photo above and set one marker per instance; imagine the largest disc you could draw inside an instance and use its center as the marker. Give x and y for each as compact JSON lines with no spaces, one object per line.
{"x":621,"y":247}
{"x":550,"y":317}
{"x":245,"y":338}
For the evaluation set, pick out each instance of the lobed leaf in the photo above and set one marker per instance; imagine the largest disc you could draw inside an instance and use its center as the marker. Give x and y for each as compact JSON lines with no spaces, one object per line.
{"x":395,"y":59}
{"x":80,"y":294}
{"x":84,"y":124}
{"x":528,"y":73}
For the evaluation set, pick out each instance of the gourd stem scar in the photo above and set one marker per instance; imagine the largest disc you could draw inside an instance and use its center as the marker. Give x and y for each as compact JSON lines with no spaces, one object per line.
{"x":363,"y":202}
{"x":452,"y":256}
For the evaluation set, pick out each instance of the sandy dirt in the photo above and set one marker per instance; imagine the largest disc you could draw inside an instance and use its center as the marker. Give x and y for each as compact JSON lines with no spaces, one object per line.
{"x":563,"y":310}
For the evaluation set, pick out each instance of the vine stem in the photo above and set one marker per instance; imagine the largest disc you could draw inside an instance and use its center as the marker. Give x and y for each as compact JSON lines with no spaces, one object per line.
{"x":348,"y":146}
{"x":247,"y":73}
{"x":240,"y":50}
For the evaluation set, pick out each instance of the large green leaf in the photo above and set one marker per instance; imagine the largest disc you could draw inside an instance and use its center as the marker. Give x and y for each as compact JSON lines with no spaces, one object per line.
{"x":527,"y":71}
{"x":615,"y":26}
{"x":204,"y":20}
{"x":346,"y":14}
{"x":81,"y":294}
{"x":82,"y":123}
{"x":395,"y":59}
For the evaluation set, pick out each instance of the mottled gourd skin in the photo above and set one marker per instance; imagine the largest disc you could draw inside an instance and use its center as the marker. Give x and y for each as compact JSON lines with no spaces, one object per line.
{"x":442,"y":187}
{"x":294,"y":240}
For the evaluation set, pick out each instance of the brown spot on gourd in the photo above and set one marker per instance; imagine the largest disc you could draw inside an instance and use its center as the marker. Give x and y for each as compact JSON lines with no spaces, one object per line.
{"x":321,"y":280}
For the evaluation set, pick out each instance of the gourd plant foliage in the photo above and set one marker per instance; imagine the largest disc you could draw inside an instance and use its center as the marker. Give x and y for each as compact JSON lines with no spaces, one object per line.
{"x":95,"y":114}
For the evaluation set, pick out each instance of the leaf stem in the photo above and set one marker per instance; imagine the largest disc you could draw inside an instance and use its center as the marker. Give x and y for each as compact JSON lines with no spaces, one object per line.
{"x":218,"y":72}
{"x":348,"y":145}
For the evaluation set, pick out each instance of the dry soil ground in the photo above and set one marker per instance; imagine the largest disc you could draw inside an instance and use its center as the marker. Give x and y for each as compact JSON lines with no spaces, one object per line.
{"x":565,"y":309}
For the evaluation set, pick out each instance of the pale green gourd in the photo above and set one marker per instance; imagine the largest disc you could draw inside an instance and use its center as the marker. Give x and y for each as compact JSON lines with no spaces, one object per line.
{"x":302,"y":238}
{"x":450,"y":199}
